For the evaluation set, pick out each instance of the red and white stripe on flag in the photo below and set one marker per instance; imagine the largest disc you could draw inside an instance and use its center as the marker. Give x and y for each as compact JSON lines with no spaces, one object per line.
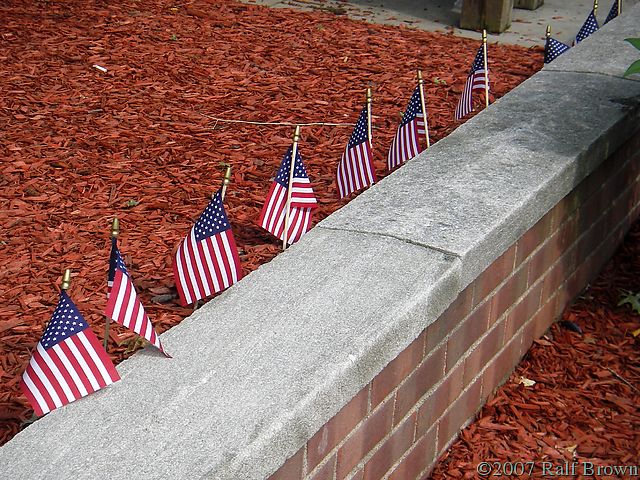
{"x":406,"y":143}
{"x":475,"y":81}
{"x":67,"y":371}
{"x":355,"y":170}
{"x":202,"y":268}
{"x":303,"y":201}
{"x":124,"y":307}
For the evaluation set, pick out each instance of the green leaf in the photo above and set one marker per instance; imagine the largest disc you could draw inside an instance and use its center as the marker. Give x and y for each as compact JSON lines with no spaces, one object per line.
{"x":633,"y":68}
{"x":633,"y":41}
{"x":131,"y":203}
{"x":633,"y":299}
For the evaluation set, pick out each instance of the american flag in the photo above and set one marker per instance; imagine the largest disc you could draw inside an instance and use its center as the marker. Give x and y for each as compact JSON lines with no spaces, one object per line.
{"x":68,"y":362}
{"x":553,"y":49}
{"x":123,"y":304}
{"x":475,"y":80}
{"x":406,"y":143}
{"x":589,"y":27}
{"x":207,"y":259}
{"x":613,"y":13}
{"x":355,"y":170}
{"x":303,"y":201}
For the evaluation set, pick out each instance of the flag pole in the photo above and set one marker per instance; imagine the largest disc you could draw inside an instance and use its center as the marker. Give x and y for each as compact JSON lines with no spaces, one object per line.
{"x":486,"y":68}
{"x":226,"y":180}
{"x":66,"y":283}
{"x":619,"y":7}
{"x":294,"y":151}
{"x":369,"y":101}
{"x":424,"y":109}
{"x":115,"y":231}
{"x":595,"y":7}
{"x":548,"y":34}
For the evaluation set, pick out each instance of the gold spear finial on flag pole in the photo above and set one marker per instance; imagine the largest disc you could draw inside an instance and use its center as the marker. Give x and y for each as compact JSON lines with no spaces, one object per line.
{"x":424,"y":109}
{"x":66,"y":280}
{"x":548,"y":34}
{"x":595,"y":7}
{"x":115,"y":228}
{"x":294,"y":152}
{"x":226,"y":180}
{"x":369,"y":102}
{"x":66,"y":283}
{"x":486,"y":68}
{"x":115,"y":232}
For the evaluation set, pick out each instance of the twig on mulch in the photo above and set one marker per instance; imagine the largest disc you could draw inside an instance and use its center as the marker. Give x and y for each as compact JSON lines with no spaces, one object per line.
{"x":619,"y":377}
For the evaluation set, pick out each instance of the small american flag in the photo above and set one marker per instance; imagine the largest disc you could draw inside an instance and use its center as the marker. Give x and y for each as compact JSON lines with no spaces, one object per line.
{"x":303,"y":201}
{"x":406,"y":143}
{"x":589,"y":27}
{"x":613,"y":13}
{"x":123,"y":304}
{"x":475,"y":80}
{"x":553,"y":49}
{"x":355,"y":170}
{"x":207,"y":259}
{"x":68,"y":362}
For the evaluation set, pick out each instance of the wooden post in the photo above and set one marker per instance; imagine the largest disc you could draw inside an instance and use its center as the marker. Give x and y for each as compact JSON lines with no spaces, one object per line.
{"x":294,"y":152}
{"x":486,"y":68}
{"x":493,"y":15}
{"x":424,"y":109}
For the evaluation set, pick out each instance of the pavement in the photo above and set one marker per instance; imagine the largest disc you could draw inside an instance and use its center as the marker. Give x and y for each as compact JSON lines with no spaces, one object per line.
{"x":527,"y":26}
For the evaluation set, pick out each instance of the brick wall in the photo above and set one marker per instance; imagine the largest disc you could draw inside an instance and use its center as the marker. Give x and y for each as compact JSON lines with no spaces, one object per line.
{"x":412,"y":411}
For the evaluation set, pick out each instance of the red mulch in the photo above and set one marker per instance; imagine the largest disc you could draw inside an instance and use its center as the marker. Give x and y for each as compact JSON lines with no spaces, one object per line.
{"x":584,"y":405}
{"x":80,"y":146}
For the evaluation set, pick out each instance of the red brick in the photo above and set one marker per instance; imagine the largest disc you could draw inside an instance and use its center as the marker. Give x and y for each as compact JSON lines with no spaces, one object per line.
{"x":421,"y":456}
{"x":336,"y":429}
{"x":532,"y":238}
{"x":501,"y":365}
{"x":291,"y":469}
{"x":397,"y":370}
{"x":559,"y":273}
{"x":462,"y":338}
{"x":565,"y":208}
{"x":508,"y":294}
{"x":436,"y":403}
{"x":364,"y":438}
{"x":523,"y":311}
{"x":450,"y":319}
{"x":358,"y":475}
{"x":494,"y":275}
{"x":540,"y":322}
{"x":544,"y":258}
{"x":484,"y":351}
{"x":430,"y":371}
{"x":590,"y":240}
{"x":326,"y":472}
{"x":391,"y":451}
{"x":464,"y":408}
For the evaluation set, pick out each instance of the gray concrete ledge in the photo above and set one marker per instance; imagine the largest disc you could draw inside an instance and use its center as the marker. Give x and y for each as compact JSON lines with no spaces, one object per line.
{"x":258,"y":370}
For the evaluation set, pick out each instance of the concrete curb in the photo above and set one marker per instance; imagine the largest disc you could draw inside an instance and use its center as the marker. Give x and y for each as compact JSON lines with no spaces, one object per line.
{"x":258,"y":370}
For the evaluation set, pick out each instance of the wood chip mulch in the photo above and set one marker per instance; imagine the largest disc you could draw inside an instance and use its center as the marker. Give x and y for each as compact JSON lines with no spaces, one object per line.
{"x":81,"y":145}
{"x":583,"y":407}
